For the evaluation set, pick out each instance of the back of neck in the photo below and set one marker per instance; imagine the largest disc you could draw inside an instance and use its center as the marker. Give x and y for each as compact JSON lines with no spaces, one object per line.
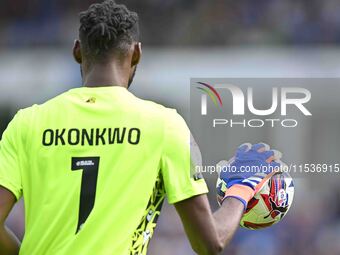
{"x":101,"y":75}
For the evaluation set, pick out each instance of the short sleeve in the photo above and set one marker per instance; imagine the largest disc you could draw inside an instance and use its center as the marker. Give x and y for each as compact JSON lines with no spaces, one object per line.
{"x":177,"y":164}
{"x":10,"y":176}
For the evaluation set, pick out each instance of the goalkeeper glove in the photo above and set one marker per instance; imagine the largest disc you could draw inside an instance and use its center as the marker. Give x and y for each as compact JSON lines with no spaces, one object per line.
{"x":246,"y":173}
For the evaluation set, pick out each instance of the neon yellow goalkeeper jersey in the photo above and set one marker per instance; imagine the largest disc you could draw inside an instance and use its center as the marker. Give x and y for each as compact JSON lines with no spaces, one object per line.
{"x":94,"y":166}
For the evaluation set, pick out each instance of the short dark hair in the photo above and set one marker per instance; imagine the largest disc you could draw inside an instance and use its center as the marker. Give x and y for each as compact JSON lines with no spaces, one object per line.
{"x":106,"y":26}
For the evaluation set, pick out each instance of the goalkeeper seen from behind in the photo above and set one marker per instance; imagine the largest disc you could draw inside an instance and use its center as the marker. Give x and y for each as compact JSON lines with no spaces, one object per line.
{"x":94,"y":164}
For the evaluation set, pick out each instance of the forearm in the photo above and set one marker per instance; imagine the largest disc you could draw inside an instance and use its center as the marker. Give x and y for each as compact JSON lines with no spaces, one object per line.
{"x":227,"y":219}
{"x":209,"y":233}
{"x":9,"y":243}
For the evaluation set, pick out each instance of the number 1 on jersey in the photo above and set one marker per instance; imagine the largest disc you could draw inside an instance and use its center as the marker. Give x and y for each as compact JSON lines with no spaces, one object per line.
{"x":90,"y":166}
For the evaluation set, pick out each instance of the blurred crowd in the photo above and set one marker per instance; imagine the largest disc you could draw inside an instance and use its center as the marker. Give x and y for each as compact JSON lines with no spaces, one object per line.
{"x":178,"y":23}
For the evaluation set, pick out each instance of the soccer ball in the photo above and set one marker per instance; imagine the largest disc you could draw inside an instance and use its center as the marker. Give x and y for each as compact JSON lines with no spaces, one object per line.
{"x":269,"y":205}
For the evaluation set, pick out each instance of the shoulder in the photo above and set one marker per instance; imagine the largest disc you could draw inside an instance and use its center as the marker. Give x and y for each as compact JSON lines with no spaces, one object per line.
{"x":147,"y":105}
{"x":152,"y":106}
{"x":28,"y":115}
{"x":169,"y":116}
{"x":31,"y":111}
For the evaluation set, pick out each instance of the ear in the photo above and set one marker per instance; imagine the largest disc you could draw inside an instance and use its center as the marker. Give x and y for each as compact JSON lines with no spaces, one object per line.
{"x":137,"y":54}
{"x":77,"y":52}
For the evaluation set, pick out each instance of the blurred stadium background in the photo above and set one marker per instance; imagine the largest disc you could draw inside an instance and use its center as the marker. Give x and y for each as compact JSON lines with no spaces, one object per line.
{"x":194,"y":38}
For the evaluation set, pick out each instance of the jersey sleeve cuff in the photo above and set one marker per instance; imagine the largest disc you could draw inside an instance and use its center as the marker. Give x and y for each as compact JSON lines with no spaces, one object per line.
{"x":198,"y":190}
{"x":11,"y":187}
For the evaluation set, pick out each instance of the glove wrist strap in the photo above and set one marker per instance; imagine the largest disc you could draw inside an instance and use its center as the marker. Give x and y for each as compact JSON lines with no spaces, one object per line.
{"x":242,"y":192}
